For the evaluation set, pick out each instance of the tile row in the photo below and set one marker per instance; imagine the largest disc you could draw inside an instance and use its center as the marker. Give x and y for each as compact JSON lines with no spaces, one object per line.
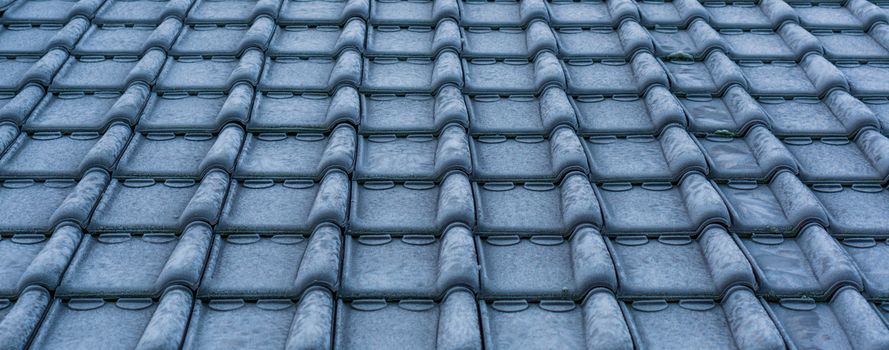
{"x":458,"y":321}
{"x":783,"y":205}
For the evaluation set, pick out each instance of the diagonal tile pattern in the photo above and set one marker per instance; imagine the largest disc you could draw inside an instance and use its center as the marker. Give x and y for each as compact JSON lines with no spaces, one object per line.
{"x":451,"y":174}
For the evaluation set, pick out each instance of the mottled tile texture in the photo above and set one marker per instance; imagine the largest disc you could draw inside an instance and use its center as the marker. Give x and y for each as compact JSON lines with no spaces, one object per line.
{"x":444,"y":174}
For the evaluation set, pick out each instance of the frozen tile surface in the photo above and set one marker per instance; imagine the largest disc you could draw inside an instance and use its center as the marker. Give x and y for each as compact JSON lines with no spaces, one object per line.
{"x":450,"y":174}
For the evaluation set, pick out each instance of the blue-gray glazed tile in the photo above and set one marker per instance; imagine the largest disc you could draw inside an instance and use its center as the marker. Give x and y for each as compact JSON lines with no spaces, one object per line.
{"x":38,"y":39}
{"x":409,"y":266}
{"x":614,"y":76}
{"x":412,"y":75}
{"x":136,"y":265}
{"x":120,"y":39}
{"x":301,"y":155}
{"x":148,"y":205}
{"x":784,"y":205}
{"x":38,"y":206}
{"x":642,"y":158}
{"x":413,"y":207}
{"x":855,"y":210}
{"x":113,"y":73}
{"x":826,"y":15}
{"x":677,"y":266}
{"x":846,"y":321}
{"x":866,"y":79}
{"x":124,"y":323}
{"x":737,"y":322}
{"x":505,"y":42}
{"x":695,"y":41}
{"x":190,"y":155}
{"x":425,"y":12}
{"x":231,"y":11}
{"x":79,"y":111}
{"x":870,"y":258}
{"x":322,"y":11}
{"x":414,"y":157}
{"x":16,"y":107}
{"x":838,"y":114}
{"x":311,"y":74}
{"x":50,"y":11}
{"x":451,"y":323}
{"x":839,"y":159}
{"x":141,"y":11}
{"x":734,"y":112}
{"x":412,"y":113}
{"x":591,"y":13}
{"x":218,"y":73}
{"x":661,"y":207}
{"x":542,"y":267}
{"x":648,"y":114}
{"x":670,"y":13}
{"x":43,"y":155}
{"x":288,"y":206}
{"x":224,"y":40}
{"x":413,"y":41}
{"x":758,"y":155}
{"x":812,"y":264}
{"x":513,"y":76}
{"x":320,"y":40}
{"x":536,"y":208}
{"x":19,"y":71}
{"x":25,"y":312}
{"x":743,"y":15}
{"x":761,"y":43}
{"x":312,"y":112}
{"x":36,"y":259}
{"x":203,"y":111}
{"x":595,"y":323}
{"x":477,"y":13}
{"x":532,"y":158}
{"x":518,"y":114}
{"x":264,"y":323}
{"x":272,"y":266}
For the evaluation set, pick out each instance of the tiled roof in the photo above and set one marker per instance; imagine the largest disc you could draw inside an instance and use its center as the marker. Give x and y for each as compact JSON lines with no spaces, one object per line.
{"x":451,"y":174}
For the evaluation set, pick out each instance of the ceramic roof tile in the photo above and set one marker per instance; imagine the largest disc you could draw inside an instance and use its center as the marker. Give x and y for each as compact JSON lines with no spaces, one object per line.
{"x":229,"y":39}
{"x":531,"y":158}
{"x":536,"y":207}
{"x":305,"y":324}
{"x":738,"y":321}
{"x":141,"y":11}
{"x":758,"y":155}
{"x":119,"y":39}
{"x":87,"y":111}
{"x":308,"y":111}
{"x":305,"y":155}
{"x":132,"y":322}
{"x":288,"y":206}
{"x":409,"y":266}
{"x":272,"y":266}
{"x":36,"y":39}
{"x":412,"y":113}
{"x":414,"y":157}
{"x":704,"y":267}
{"x":202,"y":111}
{"x":685,"y":208}
{"x":596,"y":322}
{"x":451,"y":323}
{"x":190,"y":155}
{"x":137,"y":265}
{"x":562,"y":268}
{"x":642,"y":158}
{"x":820,"y":265}
{"x":117,"y":72}
{"x":321,"y":40}
{"x":845,"y":321}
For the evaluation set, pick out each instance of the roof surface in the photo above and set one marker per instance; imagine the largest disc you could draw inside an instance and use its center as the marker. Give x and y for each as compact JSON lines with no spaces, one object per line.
{"x":451,"y":174}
